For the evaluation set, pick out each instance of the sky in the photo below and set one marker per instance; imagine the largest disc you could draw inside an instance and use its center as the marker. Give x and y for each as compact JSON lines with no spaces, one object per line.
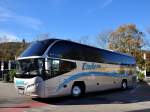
{"x":70,"y":19}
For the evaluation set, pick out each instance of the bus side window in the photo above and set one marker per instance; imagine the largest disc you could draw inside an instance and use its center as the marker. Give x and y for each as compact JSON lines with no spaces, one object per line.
{"x":61,"y":67}
{"x":52,"y":67}
{"x":66,"y":66}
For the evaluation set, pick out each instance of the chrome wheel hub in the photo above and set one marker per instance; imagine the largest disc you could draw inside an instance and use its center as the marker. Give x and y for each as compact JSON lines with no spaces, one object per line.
{"x":76,"y":91}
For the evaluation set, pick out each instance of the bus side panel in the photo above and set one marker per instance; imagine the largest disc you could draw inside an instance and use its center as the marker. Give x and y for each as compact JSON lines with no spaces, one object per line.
{"x":97,"y":83}
{"x":94,"y":81}
{"x":56,"y":86}
{"x":50,"y":86}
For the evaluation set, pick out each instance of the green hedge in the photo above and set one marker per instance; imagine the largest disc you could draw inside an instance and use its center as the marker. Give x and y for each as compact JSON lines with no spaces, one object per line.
{"x":141,"y":76}
{"x":11,"y":75}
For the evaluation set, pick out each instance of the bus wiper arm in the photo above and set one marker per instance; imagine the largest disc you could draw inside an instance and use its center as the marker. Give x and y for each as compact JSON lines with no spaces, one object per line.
{"x":27,"y":68}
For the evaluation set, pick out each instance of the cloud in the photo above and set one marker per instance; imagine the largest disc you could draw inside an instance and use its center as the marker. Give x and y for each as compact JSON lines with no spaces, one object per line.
{"x":7,"y":15}
{"x":106,"y":3}
{"x":8,"y":37}
{"x":33,"y":23}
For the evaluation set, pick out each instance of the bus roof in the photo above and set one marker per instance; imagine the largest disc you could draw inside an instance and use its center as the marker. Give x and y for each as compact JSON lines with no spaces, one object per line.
{"x":39,"y":48}
{"x":101,"y":48}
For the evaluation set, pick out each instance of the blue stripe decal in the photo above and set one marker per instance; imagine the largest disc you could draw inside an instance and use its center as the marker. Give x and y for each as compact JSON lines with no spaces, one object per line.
{"x":83,"y":74}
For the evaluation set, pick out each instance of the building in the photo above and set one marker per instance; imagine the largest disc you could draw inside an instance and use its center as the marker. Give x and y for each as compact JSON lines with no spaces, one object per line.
{"x":5,"y":66}
{"x":146,"y":57}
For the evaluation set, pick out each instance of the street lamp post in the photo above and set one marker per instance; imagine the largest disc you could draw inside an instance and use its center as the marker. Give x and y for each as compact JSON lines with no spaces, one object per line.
{"x":144,"y":57}
{"x":2,"y":68}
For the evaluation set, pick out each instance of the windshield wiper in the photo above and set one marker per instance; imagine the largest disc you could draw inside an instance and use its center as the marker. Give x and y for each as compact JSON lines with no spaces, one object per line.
{"x":27,"y":68}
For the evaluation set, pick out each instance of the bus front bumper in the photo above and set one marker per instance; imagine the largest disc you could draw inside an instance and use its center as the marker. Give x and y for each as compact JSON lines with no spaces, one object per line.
{"x":32,"y":90}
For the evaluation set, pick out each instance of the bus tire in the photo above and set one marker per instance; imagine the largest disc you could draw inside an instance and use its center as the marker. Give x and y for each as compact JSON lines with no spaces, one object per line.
{"x":124,"y":85}
{"x":78,"y":90}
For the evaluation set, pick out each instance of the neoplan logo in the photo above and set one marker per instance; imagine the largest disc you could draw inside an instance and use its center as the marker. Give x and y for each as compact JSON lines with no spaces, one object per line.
{"x":90,"y":66}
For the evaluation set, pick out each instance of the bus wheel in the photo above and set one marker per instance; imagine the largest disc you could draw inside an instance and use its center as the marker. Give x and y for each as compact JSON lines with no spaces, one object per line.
{"x":124,"y":85}
{"x":77,"y":91}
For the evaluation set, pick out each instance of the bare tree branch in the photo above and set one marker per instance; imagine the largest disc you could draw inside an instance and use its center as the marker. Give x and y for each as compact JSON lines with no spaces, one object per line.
{"x":85,"y":40}
{"x":103,"y":39}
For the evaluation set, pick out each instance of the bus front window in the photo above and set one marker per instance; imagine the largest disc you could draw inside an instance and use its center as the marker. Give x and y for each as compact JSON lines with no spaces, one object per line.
{"x":30,"y":67}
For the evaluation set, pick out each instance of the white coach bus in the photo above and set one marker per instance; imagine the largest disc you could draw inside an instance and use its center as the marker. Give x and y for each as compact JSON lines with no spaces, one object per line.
{"x":55,"y":67}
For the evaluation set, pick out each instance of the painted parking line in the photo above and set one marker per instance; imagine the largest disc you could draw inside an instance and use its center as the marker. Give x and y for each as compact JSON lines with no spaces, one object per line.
{"x":21,"y":107}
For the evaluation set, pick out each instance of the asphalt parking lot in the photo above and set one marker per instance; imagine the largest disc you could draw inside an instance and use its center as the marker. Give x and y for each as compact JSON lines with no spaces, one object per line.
{"x":136,"y":99}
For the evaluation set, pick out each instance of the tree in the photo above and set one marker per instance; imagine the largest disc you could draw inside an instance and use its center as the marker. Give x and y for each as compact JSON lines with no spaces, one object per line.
{"x":103,"y":39}
{"x":128,"y":39}
{"x":147,"y":61}
{"x":84,"y":40}
{"x":23,"y":42}
{"x":23,"y":46}
{"x":148,"y":40}
{"x":4,"y":47}
{"x":148,"y":54}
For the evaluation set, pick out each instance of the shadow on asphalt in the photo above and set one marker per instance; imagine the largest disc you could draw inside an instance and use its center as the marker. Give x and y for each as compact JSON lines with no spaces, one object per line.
{"x":116,"y":96}
{"x":89,"y":98}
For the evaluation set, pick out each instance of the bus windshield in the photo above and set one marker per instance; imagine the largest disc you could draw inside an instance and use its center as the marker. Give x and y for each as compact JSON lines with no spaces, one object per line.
{"x":37,"y":48}
{"x":30,"y":67}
